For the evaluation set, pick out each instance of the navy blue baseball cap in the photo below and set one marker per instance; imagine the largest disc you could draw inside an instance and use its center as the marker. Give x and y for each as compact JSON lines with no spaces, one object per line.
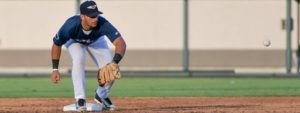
{"x":89,"y":8}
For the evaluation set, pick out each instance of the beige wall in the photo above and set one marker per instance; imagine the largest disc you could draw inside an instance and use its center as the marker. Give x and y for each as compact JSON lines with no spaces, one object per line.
{"x":31,"y":24}
{"x":223,"y":33}
{"x":238,"y":24}
{"x":153,"y":24}
{"x":147,"y":24}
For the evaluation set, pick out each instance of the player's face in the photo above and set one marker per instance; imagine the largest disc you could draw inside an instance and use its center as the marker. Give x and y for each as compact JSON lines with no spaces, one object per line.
{"x":91,"y":21}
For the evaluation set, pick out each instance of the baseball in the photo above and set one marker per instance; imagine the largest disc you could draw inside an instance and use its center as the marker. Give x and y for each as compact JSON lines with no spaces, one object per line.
{"x":267,"y":42}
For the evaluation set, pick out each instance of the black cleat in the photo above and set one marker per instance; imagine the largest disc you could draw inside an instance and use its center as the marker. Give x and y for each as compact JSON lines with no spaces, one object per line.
{"x":106,"y":103}
{"x":80,"y":105}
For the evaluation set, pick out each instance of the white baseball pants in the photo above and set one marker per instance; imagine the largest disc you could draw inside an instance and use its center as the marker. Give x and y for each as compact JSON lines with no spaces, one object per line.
{"x":101,"y":56}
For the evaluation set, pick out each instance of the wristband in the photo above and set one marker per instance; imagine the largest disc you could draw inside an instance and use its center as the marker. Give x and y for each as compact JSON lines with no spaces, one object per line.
{"x":117,"y":58}
{"x":55,"y":63}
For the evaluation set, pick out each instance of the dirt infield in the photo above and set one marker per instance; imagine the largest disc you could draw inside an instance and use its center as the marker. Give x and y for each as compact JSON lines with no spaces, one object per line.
{"x":163,"y":105}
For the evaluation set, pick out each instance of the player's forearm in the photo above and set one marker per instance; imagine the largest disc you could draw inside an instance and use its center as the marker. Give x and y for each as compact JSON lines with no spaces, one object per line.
{"x":120,"y":46}
{"x":120,"y":49}
{"x":55,"y":54}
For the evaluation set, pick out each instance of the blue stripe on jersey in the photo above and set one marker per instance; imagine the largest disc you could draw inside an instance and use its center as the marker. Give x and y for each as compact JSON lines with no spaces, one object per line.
{"x":72,"y":29}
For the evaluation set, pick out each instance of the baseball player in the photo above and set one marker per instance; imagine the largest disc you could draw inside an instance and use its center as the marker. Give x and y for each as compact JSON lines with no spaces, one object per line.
{"x":85,"y":33}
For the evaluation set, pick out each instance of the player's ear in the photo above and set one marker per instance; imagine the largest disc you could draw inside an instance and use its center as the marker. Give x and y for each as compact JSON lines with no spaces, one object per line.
{"x":81,"y":17}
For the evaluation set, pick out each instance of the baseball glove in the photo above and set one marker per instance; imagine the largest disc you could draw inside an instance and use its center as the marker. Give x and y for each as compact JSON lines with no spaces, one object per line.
{"x":108,"y":73}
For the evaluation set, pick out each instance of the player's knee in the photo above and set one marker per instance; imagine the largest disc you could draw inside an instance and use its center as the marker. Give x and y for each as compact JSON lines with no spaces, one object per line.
{"x":78,"y":63}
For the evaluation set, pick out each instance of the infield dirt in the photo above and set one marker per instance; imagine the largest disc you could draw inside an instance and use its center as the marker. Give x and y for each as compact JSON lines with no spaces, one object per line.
{"x":162,"y":105}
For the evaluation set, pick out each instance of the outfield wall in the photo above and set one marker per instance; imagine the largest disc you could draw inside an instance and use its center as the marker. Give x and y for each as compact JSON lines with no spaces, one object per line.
{"x":227,"y":33}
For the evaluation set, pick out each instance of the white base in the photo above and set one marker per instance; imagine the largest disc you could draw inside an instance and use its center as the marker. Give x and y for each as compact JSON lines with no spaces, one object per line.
{"x":89,"y":107}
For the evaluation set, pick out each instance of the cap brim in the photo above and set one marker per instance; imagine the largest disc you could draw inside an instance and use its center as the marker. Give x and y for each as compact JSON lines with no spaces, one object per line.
{"x":94,"y":14}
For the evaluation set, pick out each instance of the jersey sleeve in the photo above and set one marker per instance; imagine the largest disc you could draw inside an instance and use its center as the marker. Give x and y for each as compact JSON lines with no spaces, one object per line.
{"x":110,"y":31}
{"x":63,"y":35}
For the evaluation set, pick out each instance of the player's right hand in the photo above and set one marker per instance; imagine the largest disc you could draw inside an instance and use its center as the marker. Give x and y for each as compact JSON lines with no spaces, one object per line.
{"x":55,"y":78}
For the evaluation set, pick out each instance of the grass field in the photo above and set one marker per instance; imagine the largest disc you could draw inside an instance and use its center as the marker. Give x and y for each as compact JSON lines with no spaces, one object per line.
{"x":154,"y":87}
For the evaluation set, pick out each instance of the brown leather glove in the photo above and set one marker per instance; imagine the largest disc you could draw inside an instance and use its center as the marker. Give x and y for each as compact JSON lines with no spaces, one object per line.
{"x":108,"y":73}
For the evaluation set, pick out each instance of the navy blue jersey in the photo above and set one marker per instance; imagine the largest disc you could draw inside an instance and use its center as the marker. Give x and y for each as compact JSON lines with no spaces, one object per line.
{"x":72,"y":29}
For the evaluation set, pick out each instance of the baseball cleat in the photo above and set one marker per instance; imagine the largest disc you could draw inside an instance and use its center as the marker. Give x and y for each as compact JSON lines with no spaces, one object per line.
{"x":81,"y":106}
{"x":106,"y":103}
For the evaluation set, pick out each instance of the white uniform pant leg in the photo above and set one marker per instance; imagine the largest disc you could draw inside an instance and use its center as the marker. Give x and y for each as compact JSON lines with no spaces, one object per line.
{"x":101,"y":55}
{"x":77,"y":53}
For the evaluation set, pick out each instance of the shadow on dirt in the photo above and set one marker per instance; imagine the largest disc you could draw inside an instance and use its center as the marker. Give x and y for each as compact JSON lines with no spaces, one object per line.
{"x":189,"y":107}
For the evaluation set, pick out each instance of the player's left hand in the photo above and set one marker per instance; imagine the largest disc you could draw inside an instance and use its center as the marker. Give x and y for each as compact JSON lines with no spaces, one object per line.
{"x":109,"y":73}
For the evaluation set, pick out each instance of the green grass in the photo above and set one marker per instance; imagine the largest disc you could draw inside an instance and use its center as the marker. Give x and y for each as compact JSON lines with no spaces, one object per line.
{"x":155,"y":87}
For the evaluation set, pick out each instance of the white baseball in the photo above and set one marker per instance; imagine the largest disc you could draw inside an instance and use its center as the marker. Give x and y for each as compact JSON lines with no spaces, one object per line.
{"x":267,"y":42}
